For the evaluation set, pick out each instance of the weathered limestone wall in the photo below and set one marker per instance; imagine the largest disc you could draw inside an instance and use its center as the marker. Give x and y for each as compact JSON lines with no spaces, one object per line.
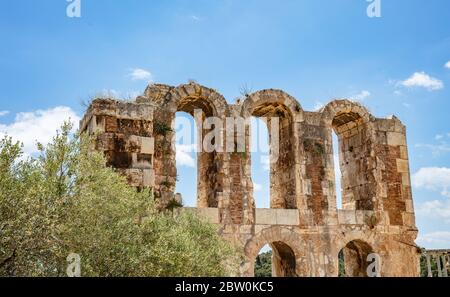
{"x":124,"y":133}
{"x":304,"y":227}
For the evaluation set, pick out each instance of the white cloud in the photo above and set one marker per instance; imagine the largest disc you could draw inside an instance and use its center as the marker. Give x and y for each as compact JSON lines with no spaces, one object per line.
{"x":407,"y":105}
{"x":435,"y":209}
{"x":436,"y":149}
{"x":183,"y":155}
{"x":195,"y":18}
{"x":3,"y":112}
{"x":423,"y":80}
{"x":398,"y":93}
{"x":257,"y":187}
{"x":433,"y":178}
{"x":318,"y":105}
{"x":38,"y":126}
{"x":265,"y":162}
{"x":447,"y":65}
{"x":439,"y":239}
{"x":140,"y":74}
{"x":439,"y":137}
{"x":361,"y":96}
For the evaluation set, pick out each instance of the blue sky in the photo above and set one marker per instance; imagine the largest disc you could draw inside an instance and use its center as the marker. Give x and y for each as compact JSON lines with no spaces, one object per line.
{"x":315,"y":50}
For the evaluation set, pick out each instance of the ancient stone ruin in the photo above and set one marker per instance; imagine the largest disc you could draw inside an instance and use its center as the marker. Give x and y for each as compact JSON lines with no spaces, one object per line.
{"x":304,"y":227}
{"x":441,"y":258}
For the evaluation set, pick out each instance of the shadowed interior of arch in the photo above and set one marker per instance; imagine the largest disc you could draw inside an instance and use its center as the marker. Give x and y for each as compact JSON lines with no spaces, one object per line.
{"x":353,"y":260}
{"x":352,"y":151}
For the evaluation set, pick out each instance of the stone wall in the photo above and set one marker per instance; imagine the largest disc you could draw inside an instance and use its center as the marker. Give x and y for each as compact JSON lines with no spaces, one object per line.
{"x":304,"y":226}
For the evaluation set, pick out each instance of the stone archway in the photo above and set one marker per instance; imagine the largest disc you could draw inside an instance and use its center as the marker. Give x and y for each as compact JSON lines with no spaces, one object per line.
{"x":353,"y":258}
{"x":271,"y":105}
{"x":285,"y":249}
{"x":351,"y":123}
{"x":201,"y":103}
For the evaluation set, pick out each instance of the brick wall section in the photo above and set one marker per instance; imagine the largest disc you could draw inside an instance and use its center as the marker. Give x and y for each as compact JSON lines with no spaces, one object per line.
{"x":392,"y":156}
{"x":124,"y":133}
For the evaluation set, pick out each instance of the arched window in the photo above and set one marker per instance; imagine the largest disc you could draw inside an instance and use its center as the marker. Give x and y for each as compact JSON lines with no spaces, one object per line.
{"x":280,"y":126}
{"x":353,"y":146}
{"x":186,"y":158}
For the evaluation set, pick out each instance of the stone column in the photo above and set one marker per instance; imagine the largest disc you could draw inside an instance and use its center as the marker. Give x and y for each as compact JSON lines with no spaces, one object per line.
{"x":438,"y":261}
{"x":430,"y":273}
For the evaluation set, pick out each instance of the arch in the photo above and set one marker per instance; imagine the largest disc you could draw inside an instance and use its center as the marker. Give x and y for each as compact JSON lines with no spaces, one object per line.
{"x":341,"y":107}
{"x":271,"y":104}
{"x":352,"y":124}
{"x":353,"y":258}
{"x":284,"y":243}
{"x":188,"y":98}
{"x":271,"y":97}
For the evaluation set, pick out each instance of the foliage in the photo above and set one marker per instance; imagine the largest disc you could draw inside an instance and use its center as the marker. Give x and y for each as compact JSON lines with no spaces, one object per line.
{"x":67,"y":201}
{"x":263,"y":265}
{"x":341,"y":263}
{"x":162,"y":128}
{"x":424,"y":268}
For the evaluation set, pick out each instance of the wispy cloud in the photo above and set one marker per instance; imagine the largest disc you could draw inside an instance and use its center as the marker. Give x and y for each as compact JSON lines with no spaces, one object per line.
{"x":439,"y":239}
{"x":257,"y":187}
{"x":435,"y":209}
{"x":447,"y":65}
{"x":361,"y":96}
{"x":195,"y":18}
{"x":3,"y":112}
{"x":422,"y":80}
{"x":439,"y":148}
{"x":183,"y":155}
{"x":140,"y":74}
{"x":433,"y":178}
{"x":38,"y":126}
{"x":398,"y":93}
{"x":436,"y":149}
{"x":318,"y":105}
{"x":265,"y":162}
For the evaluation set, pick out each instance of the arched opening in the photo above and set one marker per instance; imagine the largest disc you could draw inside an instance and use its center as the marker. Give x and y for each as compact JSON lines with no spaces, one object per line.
{"x":209,"y":178}
{"x":281,"y":158}
{"x":353,"y":259}
{"x":260,"y":154}
{"x":186,"y":159}
{"x":276,"y":259}
{"x":352,"y":144}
